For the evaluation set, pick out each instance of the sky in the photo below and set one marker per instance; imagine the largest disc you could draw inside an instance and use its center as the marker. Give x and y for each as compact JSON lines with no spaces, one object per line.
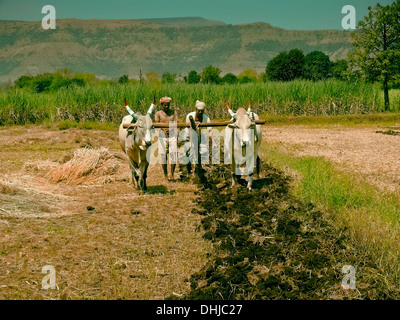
{"x":287,"y":14}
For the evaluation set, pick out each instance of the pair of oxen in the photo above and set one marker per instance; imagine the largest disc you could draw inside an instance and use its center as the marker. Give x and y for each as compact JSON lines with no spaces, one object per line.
{"x":241,"y":135}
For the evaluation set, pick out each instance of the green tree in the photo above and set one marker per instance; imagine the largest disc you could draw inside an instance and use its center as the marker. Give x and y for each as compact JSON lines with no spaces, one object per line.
{"x":376,"y":46}
{"x":248,"y":75}
{"x":168,"y":77}
{"x":340,"y":69}
{"x":42,"y":82}
{"x":229,"y":78}
{"x":193,"y":77}
{"x":246,"y":79}
{"x":295,"y":64}
{"x":24,"y":81}
{"x":286,"y":66}
{"x":317,"y":66}
{"x":152,"y":77}
{"x":210,"y":74}
{"x":276,"y":67}
{"x":86,"y":77}
{"x":123,"y":79}
{"x":262,"y":77}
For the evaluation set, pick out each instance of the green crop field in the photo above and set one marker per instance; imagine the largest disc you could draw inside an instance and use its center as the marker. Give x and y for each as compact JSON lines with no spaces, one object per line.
{"x":104,"y":101}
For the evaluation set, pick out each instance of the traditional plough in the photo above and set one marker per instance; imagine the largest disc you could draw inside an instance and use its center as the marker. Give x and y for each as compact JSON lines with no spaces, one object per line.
{"x":196,"y":127}
{"x":188,"y":124}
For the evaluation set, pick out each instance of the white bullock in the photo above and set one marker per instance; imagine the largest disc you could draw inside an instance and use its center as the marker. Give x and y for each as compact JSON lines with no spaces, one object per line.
{"x":135,"y":142}
{"x":242,"y":140}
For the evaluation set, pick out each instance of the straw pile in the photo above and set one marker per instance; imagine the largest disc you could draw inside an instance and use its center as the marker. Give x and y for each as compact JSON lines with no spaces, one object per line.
{"x":86,"y":166}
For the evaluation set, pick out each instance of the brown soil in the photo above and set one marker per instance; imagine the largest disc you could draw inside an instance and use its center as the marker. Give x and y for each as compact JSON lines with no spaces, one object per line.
{"x":270,"y":245}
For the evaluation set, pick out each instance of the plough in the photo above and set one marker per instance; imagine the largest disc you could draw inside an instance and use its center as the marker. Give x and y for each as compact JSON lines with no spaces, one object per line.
{"x":188,"y":124}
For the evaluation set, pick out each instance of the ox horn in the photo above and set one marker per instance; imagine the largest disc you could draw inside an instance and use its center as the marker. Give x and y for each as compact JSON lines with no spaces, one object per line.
{"x":249,"y":109}
{"x":134,"y":116}
{"x":152,"y":106}
{"x":233,"y":115}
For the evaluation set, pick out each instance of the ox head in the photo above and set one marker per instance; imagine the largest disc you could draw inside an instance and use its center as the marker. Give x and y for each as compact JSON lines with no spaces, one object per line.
{"x":143,"y":127}
{"x":143,"y":131}
{"x":244,"y":121}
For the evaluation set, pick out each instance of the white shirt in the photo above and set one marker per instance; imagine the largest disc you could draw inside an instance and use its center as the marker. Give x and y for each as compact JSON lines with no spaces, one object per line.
{"x":206,"y":119}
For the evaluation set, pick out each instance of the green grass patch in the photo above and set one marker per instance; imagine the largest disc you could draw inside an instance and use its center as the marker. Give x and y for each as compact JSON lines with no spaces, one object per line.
{"x":322,"y":184}
{"x":371,"y":215}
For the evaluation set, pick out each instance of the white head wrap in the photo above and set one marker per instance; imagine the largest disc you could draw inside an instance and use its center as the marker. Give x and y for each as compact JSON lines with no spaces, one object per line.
{"x":200,"y":105}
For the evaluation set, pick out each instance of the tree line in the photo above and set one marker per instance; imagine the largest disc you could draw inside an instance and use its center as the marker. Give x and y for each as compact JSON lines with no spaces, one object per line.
{"x":375,"y":58}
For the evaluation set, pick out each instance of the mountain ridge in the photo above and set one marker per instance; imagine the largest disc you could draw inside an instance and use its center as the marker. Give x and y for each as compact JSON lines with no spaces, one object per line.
{"x":111,"y":48}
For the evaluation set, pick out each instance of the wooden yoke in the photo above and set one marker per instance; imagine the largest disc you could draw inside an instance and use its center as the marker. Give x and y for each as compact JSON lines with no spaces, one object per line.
{"x":189,"y":125}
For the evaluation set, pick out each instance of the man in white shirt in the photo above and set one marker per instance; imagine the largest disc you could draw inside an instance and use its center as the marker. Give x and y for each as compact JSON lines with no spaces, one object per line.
{"x":190,"y":143}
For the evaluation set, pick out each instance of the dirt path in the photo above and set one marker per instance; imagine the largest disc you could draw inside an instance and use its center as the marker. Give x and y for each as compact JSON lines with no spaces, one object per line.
{"x":374,"y":155}
{"x":105,"y":240}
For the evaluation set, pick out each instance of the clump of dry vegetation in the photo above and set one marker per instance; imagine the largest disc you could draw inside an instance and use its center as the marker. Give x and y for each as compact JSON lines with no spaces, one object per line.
{"x":8,"y":188}
{"x":86,"y":165}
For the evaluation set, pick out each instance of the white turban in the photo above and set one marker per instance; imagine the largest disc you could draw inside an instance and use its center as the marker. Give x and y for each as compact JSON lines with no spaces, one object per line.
{"x":165,"y":99}
{"x":200,"y":105}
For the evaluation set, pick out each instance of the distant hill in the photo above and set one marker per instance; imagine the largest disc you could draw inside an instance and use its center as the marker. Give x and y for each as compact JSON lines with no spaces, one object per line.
{"x":111,"y":48}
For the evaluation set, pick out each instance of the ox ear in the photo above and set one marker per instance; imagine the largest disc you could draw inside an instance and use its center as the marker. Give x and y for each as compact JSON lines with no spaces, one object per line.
{"x":232,"y":125}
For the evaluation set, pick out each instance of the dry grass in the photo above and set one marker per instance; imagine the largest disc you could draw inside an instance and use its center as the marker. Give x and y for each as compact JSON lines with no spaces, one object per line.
{"x":85,"y":166}
{"x":354,"y":149}
{"x":129,"y":245}
{"x":7,"y":187}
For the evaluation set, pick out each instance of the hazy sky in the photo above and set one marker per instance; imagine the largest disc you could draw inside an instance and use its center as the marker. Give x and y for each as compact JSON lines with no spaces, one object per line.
{"x":288,"y":14}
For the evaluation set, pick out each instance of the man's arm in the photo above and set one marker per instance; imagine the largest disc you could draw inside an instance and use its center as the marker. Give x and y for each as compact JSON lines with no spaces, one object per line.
{"x":157,"y":117}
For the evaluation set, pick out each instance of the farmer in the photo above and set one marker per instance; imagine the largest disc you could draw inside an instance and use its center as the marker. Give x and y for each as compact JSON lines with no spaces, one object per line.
{"x":167,"y":143}
{"x":199,"y":117}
